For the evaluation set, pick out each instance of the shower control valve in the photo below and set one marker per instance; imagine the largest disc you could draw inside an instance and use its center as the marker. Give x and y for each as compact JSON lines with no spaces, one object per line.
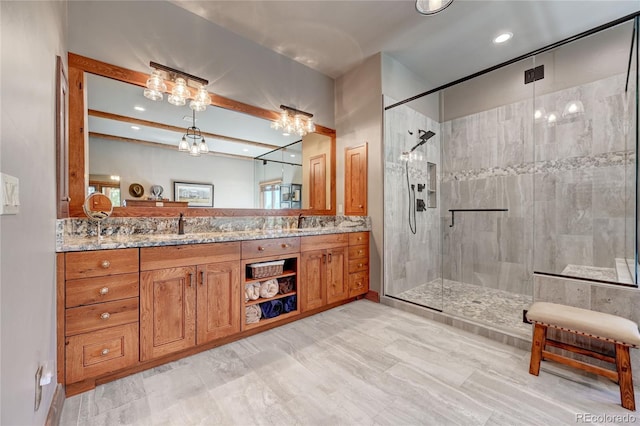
{"x":421,"y":187}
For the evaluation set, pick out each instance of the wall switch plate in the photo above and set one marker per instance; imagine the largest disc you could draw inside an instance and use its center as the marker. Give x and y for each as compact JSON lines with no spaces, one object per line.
{"x":9,"y":194}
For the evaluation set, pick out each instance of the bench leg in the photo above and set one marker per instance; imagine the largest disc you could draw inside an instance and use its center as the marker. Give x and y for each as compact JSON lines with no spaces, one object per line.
{"x":625,"y":378}
{"x":537,"y":345}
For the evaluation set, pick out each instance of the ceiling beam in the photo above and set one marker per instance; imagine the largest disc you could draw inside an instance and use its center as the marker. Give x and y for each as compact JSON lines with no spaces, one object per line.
{"x":133,"y":120}
{"x":161,"y":145}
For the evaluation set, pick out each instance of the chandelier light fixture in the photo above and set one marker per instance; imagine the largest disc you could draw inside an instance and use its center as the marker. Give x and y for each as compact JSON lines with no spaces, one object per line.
{"x":156,"y":87}
{"x":294,"y":121}
{"x":193,"y":142}
{"x":431,"y":7}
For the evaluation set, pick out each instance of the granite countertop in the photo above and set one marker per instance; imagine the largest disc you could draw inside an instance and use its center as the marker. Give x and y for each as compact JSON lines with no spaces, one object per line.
{"x":154,"y":240}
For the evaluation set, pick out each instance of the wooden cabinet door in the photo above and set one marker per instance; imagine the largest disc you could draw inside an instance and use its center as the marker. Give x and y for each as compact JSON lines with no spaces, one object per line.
{"x":312,"y":280}
{"x":337,"y":285}
{"x":218,"y":300}
{"x":318,"y":182}
{"x":167,"y":311}
{"x":355,"y":181}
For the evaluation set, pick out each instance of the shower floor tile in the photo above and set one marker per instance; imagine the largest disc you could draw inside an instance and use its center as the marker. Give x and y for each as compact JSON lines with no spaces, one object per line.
{"x":593,"y":272}
{"x":496,"y":308}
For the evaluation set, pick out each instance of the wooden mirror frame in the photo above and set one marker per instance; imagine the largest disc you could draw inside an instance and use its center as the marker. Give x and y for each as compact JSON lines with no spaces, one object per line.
{"x":78,"y":145}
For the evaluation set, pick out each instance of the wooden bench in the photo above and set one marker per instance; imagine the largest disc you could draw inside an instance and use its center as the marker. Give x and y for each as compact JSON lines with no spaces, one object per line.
{"x":623,"y":333}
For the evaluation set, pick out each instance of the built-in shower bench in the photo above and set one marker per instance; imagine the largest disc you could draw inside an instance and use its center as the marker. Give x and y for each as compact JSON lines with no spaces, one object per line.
{"x":621,"y":332}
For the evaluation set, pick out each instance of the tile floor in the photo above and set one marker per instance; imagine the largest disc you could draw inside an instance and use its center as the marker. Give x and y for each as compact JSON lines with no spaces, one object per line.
{"x":362,"y":364}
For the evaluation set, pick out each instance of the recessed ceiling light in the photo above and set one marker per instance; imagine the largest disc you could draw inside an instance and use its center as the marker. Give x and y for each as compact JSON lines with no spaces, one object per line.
{"x":503,"y":37}
{"x":293,"y":155}
{"x":138,"y":108}
{"x":135,"y":127}
{"x":245,"y":149}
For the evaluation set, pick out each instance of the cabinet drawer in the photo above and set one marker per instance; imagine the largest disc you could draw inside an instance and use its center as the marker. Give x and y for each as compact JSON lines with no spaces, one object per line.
{"x":101,"y":352}
{"x":358,"y":283}
{"x":321,"y":242}
{"x":100,"y":289}
{"x":270,"y":247}
{"x":356,"y":238}
{"x":86,"y":264}
{"x":359,"y":252}
{"x":357,"y":265}
{"x":101,"y":315}
{"x":152,"y":258}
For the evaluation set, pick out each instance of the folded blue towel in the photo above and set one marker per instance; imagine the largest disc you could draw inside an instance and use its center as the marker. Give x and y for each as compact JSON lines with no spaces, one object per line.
{"x":271,"y":308}
{"x":289,"y":303}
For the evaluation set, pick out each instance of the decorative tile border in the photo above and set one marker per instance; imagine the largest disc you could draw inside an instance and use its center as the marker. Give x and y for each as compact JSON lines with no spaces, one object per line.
{"x":551,"y":166}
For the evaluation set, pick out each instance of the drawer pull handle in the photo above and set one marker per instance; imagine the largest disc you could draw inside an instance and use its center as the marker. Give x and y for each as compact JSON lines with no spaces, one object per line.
{"x":359,"y":265}
{"x":360,"y":206}
{"x":105,"y":315}
{"x":105,"y":264}
{"x":201,"y":277}
{"x":285,"y":245}
{"x":260,"y":248}
{"x":324,"y":258}
{"x":104,"y":290}
{"x":105,"y":351}
{"x":190,"y":279}
{"x":360,"y":251}
{"x":329,"y":257}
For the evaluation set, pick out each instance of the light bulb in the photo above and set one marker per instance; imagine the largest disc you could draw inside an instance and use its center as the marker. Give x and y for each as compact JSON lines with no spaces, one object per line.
{"x":201,"y":100}
{"x":203,"y":146}
{"x":195,"y":150}
{"x":155,"y":86}
{"x":184,"y":145}
{"x":552,"y":118}
{"x":180,"y":93}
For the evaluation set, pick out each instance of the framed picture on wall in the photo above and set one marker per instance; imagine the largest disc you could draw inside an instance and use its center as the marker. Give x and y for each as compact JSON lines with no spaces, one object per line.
{"x":196,"y":194}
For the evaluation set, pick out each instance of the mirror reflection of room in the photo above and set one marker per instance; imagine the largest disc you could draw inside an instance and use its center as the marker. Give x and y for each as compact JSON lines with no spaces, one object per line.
{"x":137,"y":139}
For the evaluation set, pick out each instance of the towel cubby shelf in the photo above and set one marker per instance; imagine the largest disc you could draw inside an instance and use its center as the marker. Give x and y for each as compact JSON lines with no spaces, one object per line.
{"x":267,"y":310}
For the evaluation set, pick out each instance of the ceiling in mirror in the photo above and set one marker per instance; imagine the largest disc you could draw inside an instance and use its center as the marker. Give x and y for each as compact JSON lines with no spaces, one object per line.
{"x":119,"y":110}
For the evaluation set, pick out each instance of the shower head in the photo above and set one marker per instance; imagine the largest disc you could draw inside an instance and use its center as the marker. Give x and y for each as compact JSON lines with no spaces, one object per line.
{"x":423,"y":136}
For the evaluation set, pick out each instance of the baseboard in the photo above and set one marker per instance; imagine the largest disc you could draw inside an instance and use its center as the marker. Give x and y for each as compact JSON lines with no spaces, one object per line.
{"x":57,"y":403}
{"x":374,"y":296}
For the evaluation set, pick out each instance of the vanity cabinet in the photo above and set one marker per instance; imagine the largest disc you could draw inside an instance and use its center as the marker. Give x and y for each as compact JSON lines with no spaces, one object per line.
{"x":358,"y":263}
{"x":323,"y":270}
{"x":100,"y":312}
{"x":193,"y":301}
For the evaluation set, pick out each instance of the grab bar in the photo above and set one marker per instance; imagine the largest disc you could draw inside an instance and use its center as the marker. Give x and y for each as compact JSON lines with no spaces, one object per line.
{"x":453,"y":212}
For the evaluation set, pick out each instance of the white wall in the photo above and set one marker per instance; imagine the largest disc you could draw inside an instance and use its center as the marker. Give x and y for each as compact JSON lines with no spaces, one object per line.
{"x":399,"y":82}
{"x":132,"y":33}
{"x":359,"y":120}
{"x":232,"y":178}
{"x":32,"y":34}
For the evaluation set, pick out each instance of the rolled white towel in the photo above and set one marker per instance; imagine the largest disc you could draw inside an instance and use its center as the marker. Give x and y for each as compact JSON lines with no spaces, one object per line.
{"x":253,"y":314}
{"x":269,"y":288}
{"x":252,"y":291}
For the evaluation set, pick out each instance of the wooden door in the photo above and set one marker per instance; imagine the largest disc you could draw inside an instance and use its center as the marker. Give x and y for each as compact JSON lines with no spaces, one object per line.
{"x":218,"y":303}
{"x":167,"y":311}
{"x":312,"y":280}
{"x":355,"y":181}
{"x":317,"y":182}
{"x":337,"y":284}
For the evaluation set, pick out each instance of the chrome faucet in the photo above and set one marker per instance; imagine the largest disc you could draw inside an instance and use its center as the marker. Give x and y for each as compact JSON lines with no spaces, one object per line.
{"x":181,"y":224}
{"x":300,"y":219}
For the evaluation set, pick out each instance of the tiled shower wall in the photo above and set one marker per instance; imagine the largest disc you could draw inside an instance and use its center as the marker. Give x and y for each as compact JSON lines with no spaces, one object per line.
{"x":410,"y":260}
{"x":577,"y":198}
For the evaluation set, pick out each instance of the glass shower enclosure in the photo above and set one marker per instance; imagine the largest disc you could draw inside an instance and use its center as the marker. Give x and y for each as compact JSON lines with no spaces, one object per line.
{"x":532,"y":169}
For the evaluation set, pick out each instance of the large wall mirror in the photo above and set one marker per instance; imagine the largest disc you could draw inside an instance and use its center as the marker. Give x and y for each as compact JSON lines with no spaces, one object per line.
{"x":127,"y":145}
